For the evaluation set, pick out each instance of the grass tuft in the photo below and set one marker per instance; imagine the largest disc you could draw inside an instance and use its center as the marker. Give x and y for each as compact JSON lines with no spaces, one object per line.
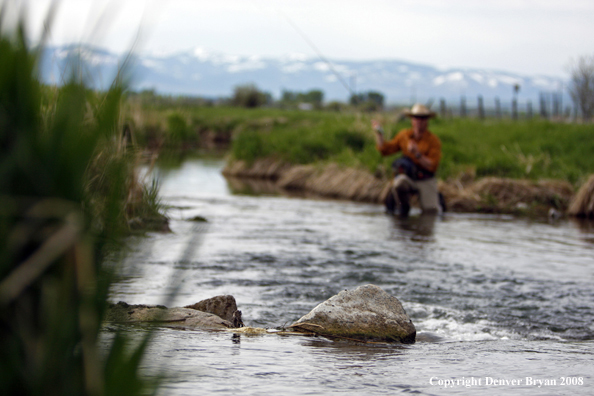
{"x":65,"y":194}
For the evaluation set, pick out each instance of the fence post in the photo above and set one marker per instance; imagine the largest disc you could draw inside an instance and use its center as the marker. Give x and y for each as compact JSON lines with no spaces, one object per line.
{"x":442,"y":108}
{"x":529,"y":109}
{"x":497,"y":108}
{"x":481,"y":108}
{"x":543,"y":106}
{"x":515,"y":102}
{"x":557,"y":104}
{"x":462,"y":106}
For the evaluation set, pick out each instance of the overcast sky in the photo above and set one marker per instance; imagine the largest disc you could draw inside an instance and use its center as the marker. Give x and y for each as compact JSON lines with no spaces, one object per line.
{"x":522,"y":36}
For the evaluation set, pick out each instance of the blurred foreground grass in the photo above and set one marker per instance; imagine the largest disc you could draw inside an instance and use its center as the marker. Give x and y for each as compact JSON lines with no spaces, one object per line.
{"x":67,"y":189}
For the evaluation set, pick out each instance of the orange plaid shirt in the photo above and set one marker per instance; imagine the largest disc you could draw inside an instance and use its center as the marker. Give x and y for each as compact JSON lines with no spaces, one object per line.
{"x":429,"y":146}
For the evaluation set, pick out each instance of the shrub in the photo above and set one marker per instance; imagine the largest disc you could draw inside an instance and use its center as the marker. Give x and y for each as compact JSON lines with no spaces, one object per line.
{"x":249,"y":96}
{"x":368,"y":101}
{"x":352,"y":139}
{"x":179,"y":132}
{"x":248,"y":146}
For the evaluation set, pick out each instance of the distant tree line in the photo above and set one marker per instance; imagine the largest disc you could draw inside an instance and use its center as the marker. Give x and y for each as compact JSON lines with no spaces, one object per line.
{"x":250,"y":96}
{"x":151,"y":97}
{"x":369,"y":101}
{"x":314,"y":98}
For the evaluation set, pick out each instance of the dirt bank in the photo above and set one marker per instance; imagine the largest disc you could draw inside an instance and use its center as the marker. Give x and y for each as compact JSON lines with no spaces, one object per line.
{"x":583,"y":203}
{"x":463,"y":194}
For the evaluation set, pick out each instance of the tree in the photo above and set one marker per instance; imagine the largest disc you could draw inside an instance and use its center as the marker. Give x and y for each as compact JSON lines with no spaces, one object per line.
{"x":581,"y":87}
{"x":249,"y":96}
{"x":288,"y":97}
{"x":315,"y":97}
{"x":368,"y":101}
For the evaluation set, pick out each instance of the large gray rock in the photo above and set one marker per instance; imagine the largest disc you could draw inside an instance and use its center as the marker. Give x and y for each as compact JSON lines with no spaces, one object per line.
{"x":366,"y":313}
{"x":172,"y":317}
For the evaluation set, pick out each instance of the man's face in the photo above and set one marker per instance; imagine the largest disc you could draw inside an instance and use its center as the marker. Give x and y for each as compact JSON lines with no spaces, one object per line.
{"x":419,"y":125}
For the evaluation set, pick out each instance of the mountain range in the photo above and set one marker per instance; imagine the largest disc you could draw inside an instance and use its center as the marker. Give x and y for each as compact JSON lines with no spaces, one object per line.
{"x":208,"y":74}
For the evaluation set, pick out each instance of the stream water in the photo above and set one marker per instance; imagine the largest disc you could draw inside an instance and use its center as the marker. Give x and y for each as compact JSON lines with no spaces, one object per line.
{"x":501,"y":305}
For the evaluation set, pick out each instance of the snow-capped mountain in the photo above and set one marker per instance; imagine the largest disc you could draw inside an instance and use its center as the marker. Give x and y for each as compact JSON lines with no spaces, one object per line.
{"x":201,"y":73}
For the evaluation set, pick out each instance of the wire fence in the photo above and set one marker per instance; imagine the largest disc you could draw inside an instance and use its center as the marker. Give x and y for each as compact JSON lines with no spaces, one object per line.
{"x":548,"y":106}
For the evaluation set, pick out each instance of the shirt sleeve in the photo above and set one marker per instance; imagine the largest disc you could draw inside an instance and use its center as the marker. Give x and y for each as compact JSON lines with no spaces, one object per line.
{"x":392,"y":146}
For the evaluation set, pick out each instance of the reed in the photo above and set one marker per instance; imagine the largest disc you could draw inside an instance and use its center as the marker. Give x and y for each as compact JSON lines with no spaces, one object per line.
{"x":65,"y":184}
{"x":583,"y":203}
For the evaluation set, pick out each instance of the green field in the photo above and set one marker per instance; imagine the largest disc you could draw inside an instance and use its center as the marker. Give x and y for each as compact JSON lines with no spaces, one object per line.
{"x":530,"y":149}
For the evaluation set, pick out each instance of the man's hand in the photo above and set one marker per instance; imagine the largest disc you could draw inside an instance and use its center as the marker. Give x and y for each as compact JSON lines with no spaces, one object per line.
{"x":379,"y":132}
{"x":414,"y":149}
{"x":422,"y":160}
{"x":375,"y":124}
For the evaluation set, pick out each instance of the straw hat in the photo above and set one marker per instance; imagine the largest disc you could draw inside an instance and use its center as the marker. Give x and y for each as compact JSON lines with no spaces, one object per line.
{"x":418,"y":110}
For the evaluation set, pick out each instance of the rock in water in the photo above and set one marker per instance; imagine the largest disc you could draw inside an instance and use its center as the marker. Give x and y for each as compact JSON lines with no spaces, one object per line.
{"x":222,"y":306}
{"x":172,"y":317}
{"x":366,"y":313}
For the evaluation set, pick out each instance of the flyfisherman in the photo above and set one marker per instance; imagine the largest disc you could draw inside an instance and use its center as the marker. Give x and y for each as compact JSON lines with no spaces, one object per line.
{"x":415,"y":170}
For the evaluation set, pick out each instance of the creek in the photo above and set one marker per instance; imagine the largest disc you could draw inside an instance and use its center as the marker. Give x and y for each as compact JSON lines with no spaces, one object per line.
{"x":502,"y":305}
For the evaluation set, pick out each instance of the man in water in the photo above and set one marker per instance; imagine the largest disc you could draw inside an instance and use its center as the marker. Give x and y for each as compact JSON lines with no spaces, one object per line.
{"x":415,"y":170}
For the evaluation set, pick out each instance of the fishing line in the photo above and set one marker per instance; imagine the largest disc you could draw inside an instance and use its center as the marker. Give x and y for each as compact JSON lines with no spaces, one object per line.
{"x":322,"y":57}
{"x":317,"y":51}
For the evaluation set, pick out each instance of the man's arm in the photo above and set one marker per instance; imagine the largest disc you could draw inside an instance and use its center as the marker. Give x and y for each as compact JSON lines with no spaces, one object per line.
{"x":383,"y":146}
{"x":429,"y":160}
{"x":421,"y":159}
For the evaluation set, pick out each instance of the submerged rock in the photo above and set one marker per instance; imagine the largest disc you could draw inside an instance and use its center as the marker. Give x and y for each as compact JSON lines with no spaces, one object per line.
{"x":366,"y":313}
{"x":156,"y":223}
{"x":173,"y":317}
{"x":198,"y":219}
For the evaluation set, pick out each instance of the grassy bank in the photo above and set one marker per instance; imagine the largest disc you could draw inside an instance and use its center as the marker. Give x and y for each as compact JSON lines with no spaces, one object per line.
{"x":528,"y":149}
{"x":535,"y":149}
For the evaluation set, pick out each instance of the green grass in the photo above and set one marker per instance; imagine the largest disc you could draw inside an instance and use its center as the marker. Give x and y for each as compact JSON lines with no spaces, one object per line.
{"x":64,"y":188}
{"x":531,"y":149}
{"x":299,"y":139}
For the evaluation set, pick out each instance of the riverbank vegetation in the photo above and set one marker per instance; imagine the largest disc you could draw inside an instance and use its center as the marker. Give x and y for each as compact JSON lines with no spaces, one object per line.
{"x":528,"y":149}
{"x":520,"y":166}
{"x":532,"y":149}
{"x":68,"y":189}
